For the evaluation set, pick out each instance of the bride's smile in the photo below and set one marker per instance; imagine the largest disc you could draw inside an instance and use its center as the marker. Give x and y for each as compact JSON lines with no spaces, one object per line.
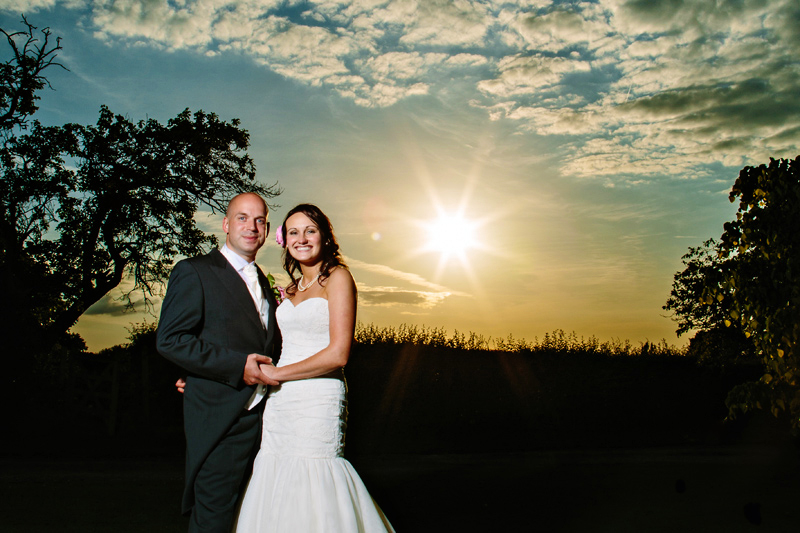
{"x":303,"y":238}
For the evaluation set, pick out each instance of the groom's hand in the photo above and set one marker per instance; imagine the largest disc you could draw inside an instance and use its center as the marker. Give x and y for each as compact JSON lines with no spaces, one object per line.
{"x":253,"y":374}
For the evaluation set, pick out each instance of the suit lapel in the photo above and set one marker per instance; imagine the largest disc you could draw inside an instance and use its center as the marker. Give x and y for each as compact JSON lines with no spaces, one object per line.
{"x":233,"y":282}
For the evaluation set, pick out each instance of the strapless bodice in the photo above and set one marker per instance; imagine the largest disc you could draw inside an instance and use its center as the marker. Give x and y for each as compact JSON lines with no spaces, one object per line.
{"x":304,"y":328}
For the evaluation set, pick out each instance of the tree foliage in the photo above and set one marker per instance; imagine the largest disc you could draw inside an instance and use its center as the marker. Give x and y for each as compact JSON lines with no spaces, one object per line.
{"x":761,"y":286}
{"x":713,"y":343}
{"x":723,"y":347}
{"x":749,"y":281}
{"x":690,"y":311}
{"x":83,"y":208}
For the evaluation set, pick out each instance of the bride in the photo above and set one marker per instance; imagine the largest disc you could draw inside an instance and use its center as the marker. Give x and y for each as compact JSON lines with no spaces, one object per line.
{"x":300,"y":481}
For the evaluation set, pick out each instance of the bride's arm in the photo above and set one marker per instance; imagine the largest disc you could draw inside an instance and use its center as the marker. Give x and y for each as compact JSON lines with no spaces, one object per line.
{"x":341,"y":291}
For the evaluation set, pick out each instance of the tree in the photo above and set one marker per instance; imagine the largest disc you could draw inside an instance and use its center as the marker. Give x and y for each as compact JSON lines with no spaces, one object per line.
{"x":83,"y":208}
{"x":723,"y":347}
{"x":713,"y":343}
{"x":750,"y":282}
{"x":22,"y":74}
{"x":688,"y":308}
{"x":762,"y":286}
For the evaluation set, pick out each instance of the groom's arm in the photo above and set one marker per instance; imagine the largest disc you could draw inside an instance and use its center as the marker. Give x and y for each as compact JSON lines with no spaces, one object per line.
{"x":252,"y":366}
{"x":179,"y":334}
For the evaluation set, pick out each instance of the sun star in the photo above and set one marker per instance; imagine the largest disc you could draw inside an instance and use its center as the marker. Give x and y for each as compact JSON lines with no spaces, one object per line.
{"x":450,"y":235}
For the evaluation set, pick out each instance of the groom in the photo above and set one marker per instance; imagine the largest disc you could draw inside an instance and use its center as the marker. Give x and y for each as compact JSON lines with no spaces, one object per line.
{"x":219,"y":326}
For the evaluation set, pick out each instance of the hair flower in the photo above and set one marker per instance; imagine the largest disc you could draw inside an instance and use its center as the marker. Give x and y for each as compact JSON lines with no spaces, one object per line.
{"x":279,"y":237}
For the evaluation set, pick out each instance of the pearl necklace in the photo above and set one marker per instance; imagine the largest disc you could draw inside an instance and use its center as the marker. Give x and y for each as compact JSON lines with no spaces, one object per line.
{"x":300,"y":283}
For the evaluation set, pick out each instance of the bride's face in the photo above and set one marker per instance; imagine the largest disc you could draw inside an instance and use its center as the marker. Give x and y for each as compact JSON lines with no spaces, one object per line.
{"x":303,"y":239}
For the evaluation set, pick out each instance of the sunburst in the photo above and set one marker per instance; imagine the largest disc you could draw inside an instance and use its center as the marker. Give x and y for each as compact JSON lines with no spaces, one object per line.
{"x":452,"y":235}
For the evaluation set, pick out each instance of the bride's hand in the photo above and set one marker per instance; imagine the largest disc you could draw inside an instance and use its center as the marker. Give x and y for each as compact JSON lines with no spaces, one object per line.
{"x":180,"y":385}
{"x":269,"y":371}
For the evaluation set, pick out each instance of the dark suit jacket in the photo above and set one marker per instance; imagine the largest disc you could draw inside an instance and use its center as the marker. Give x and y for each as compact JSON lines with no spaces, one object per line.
{"x":208,"y":326}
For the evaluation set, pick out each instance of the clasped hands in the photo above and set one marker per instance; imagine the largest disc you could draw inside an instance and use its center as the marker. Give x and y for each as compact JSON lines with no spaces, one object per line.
{"x":258,"y":370}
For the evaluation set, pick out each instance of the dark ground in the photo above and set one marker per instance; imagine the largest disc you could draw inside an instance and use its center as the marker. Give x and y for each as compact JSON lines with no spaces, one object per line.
{"x":445,"y":441}
{"x":742,"y":487}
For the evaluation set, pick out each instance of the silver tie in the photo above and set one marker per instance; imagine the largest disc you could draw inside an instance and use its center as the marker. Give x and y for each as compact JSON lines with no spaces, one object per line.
{"x":251,"y":273}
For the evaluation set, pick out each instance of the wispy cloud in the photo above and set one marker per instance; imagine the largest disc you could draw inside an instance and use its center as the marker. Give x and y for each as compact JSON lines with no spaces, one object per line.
{"x":391,"y":295}
{"x":399,"y":275}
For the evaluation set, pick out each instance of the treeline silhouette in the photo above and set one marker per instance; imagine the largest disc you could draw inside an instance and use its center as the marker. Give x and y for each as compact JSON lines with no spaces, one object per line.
{"x":558,"y":340}
{"x":412,"y":390}
{"x":416,"y":390}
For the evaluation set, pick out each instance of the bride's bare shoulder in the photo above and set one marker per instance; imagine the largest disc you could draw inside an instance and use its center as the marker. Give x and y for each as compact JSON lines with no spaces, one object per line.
{"x":340,"y":279}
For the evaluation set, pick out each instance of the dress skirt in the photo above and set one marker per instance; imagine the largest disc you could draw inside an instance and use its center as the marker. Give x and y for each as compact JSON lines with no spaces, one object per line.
{"x":300,"y":481}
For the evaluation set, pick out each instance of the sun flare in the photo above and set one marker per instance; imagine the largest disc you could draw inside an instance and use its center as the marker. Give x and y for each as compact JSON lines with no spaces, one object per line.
{"x":454,"y":231}
{"x":451,"y":235}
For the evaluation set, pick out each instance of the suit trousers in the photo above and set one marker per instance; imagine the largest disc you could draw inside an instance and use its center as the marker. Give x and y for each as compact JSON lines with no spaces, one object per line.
{"x":222,"y":477}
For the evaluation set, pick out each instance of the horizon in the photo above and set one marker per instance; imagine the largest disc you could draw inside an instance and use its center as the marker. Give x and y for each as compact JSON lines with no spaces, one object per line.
{"x":568,"y":152}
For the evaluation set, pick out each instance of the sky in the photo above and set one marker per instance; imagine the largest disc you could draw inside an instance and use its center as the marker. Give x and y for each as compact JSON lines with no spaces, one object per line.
{"x":495,"y":167}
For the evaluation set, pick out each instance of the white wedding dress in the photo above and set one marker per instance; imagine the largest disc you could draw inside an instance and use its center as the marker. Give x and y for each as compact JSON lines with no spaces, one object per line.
{"x":300,"y":482}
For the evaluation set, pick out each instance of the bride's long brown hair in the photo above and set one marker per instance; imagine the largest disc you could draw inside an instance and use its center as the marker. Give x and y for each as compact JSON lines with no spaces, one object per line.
{"x":331,"y":258}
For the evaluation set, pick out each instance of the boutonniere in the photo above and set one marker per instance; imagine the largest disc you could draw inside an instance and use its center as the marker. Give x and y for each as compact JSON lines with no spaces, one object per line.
{"x":278,"y":291}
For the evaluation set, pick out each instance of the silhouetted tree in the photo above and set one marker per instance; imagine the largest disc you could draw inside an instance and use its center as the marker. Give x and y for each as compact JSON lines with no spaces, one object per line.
{"x":763,"y":284}
{"x":722,"y":347}
{"x":22,"y":73}
{"x":686,"y":300}
{"x":750,"y":281}
{"x":714,"y":343}
{"x":83,"y":208}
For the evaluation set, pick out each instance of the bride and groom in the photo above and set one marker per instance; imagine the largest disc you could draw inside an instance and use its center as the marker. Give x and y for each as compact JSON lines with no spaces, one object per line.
{"x":221,"y":323}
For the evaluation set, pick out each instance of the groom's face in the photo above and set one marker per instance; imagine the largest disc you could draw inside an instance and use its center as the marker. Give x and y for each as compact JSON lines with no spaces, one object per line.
{"x":246,"y":225}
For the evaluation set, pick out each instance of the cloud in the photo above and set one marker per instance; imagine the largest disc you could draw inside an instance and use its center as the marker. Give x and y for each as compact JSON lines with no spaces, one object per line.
{"x":390,"y":295}
{"x":686,"y":85}
{"x":563,"y":121}
{"x":636,"y":86}
{"x":553,"y":28}
{"x":26,"y":6}
{"x":399,"y":275}
{"x":401,"y":65}
{"x":466,"y":60}
{"x":521,"y":75}
{"x":393,"y":296}
{"x":445,"y":23}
